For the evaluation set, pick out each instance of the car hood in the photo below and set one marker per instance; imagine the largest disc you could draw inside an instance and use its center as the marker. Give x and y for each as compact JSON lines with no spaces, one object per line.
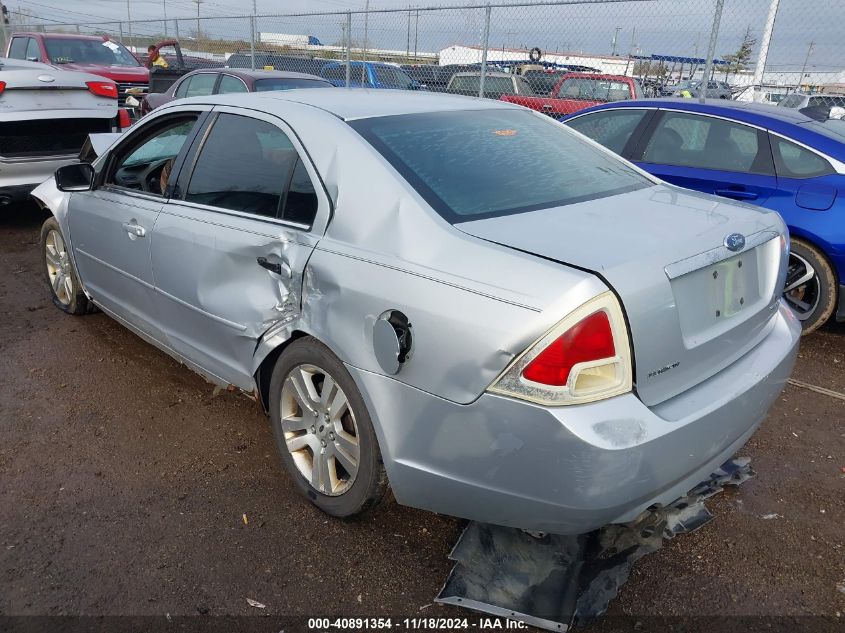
{"x":658,"y":248}
{"x":120,"y":74}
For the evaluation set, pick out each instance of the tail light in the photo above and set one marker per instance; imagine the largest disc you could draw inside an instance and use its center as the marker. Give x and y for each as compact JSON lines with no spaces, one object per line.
{"x":584,"y":358}
{"x":2,"y":86}
{"x":123,"y":120}
{"x":103,"y":88}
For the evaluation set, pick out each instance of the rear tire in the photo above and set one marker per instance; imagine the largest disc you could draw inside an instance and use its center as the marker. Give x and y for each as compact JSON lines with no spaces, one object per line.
{"x":324,"y":432}
{"x":59,"y":271}
{"x":811,"y":287}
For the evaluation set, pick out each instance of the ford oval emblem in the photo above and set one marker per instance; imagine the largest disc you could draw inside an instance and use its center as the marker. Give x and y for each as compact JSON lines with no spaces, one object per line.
{"x":735,"y":242}
{"x":46,"y":78}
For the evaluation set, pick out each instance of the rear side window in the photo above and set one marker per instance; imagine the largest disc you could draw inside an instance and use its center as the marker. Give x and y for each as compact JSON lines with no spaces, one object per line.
{"x":229,"y":84}
{"x":690,"y":140}
{"x":793,"y":161}
{"x":200,"y":85}
{"x":250,"y":166}
{"x":475,"y":164}
{"x":18,"y":48}
{"x":611,"y":128}
{"x":339,"y":72}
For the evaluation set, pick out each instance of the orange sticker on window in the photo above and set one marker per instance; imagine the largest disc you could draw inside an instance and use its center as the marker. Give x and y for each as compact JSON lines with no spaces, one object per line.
{"x":505,"y":132}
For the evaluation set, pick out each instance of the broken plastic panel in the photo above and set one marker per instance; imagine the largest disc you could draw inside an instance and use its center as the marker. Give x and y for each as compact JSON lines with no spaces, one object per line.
{"x":555,"y":582}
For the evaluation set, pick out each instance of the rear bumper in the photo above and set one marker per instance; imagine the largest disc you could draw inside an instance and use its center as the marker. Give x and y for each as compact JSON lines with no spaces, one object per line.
{"x":569,"y":470}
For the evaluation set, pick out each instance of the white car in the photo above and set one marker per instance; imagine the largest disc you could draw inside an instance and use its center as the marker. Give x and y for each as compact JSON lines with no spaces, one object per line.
{"x":45,"y":116}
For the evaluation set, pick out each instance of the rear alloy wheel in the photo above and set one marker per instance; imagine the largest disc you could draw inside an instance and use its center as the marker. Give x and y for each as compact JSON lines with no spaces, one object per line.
{"x":810,"y":285}
{"x":61,"y":274}
{"x":323,"y":431}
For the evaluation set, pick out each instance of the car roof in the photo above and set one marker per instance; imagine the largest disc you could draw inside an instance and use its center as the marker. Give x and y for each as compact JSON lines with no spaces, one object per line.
{"x":790,"y":122}
{"x":63,"y":36}
{"x":489,"y":73}
{"x":355,"y":103}
{"x":247,"y":73}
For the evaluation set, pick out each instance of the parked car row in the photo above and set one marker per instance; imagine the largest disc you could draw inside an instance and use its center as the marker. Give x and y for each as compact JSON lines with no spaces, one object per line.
{"x":417,"y":306}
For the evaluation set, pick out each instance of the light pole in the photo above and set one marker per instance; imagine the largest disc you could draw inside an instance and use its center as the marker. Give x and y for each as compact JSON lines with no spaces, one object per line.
{"x":198,"y":18}
{"x":164,"y":12}
{"x":615,"y":37}
{"x":806,"y":61}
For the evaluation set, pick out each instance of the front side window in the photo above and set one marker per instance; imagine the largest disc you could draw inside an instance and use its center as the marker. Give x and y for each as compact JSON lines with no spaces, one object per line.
{"x":392,"y":77}
{"x":18,"y":48}
{"x":251,"y":166}
{"x":146,"y":164}
{"x":793,"y":161}
{"x":472,"y":164}
{"x":201,"y":85}
{"x":33,"y":53}
{"x":690,"y":140}
{"x":230,"y":85}
{"x":68,"y":50}
{"x":611,"y":128}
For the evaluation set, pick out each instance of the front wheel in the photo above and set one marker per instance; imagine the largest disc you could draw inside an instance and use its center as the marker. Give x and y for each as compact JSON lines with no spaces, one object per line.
{"x":324,"y":432}
{"x":65,"y":289}
{"x":810,"y":285}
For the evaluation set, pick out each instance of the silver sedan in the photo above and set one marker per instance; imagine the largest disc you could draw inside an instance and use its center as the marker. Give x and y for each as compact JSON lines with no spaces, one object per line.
{"x":460,"y":297}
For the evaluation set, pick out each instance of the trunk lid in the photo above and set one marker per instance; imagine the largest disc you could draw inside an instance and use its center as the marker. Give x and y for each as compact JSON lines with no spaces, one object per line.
{"x":693,"y":306}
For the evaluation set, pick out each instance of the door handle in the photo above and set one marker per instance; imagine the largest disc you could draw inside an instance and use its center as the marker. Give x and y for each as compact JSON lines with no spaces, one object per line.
{"x":547,"y":106}
{"x":280,"y":268}
{"x":135,"y":229}
{"x":737,"y":194}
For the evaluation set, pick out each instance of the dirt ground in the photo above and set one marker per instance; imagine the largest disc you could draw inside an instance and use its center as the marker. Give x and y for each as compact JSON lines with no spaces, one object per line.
{"x":124,"y":483}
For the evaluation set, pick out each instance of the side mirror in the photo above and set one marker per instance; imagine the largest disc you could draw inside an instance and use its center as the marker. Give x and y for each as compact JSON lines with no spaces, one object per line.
{"x":75,"y":177}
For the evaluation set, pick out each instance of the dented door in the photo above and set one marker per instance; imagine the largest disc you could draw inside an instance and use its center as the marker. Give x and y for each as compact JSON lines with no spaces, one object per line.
{"x":227,"y":258}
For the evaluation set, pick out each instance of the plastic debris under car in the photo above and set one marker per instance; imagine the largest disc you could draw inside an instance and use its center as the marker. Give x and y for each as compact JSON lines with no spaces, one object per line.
{"x":555,"y":582}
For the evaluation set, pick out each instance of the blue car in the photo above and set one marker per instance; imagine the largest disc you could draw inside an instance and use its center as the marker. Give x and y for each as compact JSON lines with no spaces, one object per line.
{"x":790,"y":161}
{"x":369,"y":75}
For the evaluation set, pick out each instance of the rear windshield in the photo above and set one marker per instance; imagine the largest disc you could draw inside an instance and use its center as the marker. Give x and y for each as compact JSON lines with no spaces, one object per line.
{"x":262,"y":85}
{"x":62,"y":50}
{"x":594,"y":89}
{"x":470,"y":165}
{"x":792,"y":101}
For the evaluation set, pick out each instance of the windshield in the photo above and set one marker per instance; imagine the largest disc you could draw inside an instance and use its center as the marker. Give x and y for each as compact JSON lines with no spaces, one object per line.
{"x":265,"y":85}
{"x":474,"y":164}
{"x":72,"y":51}
{"x":594,"y":89}
{"x":832,"y":128}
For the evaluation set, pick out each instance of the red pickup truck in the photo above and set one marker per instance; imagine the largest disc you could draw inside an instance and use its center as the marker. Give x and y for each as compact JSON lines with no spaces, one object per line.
{"x":576,"y":91}
{"x":87,"y":53}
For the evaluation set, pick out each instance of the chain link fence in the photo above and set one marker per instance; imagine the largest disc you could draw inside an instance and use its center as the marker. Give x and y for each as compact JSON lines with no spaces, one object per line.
{"x":765,"y":50}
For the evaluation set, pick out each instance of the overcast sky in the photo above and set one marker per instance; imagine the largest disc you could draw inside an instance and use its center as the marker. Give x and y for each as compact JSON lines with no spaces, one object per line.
{"x":674,"y":27}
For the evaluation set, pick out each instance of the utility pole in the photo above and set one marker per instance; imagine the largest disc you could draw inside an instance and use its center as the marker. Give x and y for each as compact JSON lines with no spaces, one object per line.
{"x":3,"y":13}
{"x":631,"y":49}
{"x":164,"y":12}
{"x":408,"y":48}
{"x":615,"y":38}
{"x":806,"y":61}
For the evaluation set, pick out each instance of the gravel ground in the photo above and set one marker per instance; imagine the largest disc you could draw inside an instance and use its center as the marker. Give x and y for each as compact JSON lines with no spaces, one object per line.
{"x":125,"y":482}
